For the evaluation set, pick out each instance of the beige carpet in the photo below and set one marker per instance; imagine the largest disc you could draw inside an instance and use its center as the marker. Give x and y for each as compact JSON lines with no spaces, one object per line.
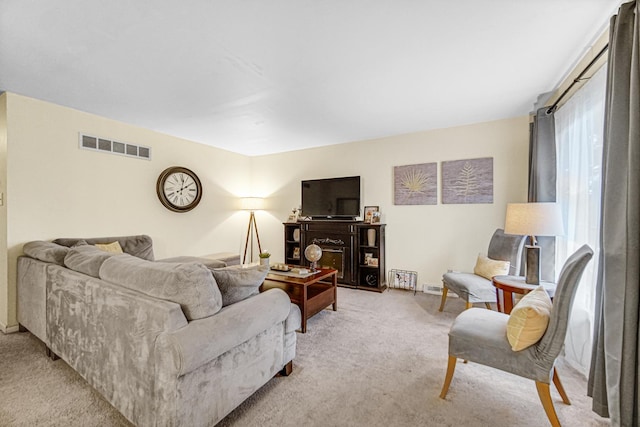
{"x":378,"y":361}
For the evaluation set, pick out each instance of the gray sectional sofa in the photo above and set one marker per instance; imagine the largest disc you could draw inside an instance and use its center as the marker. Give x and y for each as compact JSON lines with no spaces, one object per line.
{"x":167,"y":343}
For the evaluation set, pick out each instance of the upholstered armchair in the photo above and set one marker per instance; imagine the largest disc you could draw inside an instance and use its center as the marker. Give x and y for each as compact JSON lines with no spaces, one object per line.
{"x":474,"y":288}
{"x":480,"y":336}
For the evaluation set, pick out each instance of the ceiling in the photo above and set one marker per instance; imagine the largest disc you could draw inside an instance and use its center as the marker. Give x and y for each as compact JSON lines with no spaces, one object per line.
{"x":258,"y":77}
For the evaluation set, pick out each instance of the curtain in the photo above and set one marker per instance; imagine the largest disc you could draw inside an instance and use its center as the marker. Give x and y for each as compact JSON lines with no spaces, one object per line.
{"x":579,"y":134}
{"x":615,"y":372}
{"x":542,"y":180}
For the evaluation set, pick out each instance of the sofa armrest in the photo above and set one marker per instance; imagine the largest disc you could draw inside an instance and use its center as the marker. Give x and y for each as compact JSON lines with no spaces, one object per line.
{"x":203,"y":340}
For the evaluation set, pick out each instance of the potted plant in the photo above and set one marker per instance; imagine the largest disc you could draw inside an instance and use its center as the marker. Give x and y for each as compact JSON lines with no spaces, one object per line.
{"x":264,"y":257}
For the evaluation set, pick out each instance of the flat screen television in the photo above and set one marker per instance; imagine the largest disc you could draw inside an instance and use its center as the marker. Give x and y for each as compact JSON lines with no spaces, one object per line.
{"x":331,"y":198}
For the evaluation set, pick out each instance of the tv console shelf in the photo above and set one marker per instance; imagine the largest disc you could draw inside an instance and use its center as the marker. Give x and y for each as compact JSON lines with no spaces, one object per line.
{"x":346,"y":246}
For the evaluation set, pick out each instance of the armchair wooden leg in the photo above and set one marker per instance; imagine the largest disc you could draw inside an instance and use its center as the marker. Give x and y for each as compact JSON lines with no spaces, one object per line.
{"x":547,"y":404}
{"x":558,"y":384}
{"x":469,"y":305}
{"x":444,"y":298}
{"x":451,"y":366}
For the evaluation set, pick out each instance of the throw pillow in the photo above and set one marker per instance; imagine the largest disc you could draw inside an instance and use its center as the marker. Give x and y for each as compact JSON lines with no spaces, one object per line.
{"x":86,"y":259}
{"x":113,"y":247}
{"x":529,"y":319}
{"x":46,"y":251}
{"x":237,"y":283}
{"x":487,"y":267}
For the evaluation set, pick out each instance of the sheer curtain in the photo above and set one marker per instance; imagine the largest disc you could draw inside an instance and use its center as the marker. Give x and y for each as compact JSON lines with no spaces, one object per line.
{"x":579,"y":135}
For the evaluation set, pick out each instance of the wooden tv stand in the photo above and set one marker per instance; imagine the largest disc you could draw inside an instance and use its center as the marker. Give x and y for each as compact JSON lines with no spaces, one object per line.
{"x":345,"y":247}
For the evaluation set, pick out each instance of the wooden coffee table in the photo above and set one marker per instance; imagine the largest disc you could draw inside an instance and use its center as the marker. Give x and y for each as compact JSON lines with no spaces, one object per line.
{"x":312,"y":293}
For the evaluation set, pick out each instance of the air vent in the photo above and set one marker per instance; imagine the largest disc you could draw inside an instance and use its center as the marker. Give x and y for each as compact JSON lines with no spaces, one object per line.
{"x":88,"y":142}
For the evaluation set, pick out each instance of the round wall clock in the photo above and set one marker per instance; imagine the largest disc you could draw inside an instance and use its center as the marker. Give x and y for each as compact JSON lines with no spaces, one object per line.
{"x":179,"y":189}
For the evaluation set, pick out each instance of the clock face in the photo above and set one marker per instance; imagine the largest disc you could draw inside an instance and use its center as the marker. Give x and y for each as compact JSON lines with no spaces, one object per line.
{"x":179,"y":189}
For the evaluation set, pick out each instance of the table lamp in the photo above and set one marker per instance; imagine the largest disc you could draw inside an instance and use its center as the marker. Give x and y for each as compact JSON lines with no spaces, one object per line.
{"x":533,"y":219}
{"x":252,"y":204}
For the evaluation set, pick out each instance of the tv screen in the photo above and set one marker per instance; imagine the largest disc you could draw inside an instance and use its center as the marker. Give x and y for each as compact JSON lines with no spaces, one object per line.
{"x":331,"y":198}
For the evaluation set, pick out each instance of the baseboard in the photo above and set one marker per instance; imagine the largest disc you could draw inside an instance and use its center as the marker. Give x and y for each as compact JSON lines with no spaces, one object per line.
{"x":9,"y":329}
{"x":436,"y":290}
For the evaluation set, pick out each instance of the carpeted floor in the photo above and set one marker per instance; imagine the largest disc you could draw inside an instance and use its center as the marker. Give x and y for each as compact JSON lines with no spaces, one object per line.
{"x":378,"y":361}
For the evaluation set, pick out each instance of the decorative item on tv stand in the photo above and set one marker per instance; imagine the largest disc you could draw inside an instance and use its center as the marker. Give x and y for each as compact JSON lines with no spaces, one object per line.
{"x":313,"y":253}
{"x":293,"y":216}
{"x":371,"y":236}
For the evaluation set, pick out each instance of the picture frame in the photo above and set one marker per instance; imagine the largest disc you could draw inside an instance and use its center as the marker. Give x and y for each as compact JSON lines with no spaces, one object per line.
{"x":373,"y":262}
{"x":375,"y":218}
{"x":293,"y":216}
{"x":367,"y":257}
{"x":296,"y":252}
{"x":368,"y":213}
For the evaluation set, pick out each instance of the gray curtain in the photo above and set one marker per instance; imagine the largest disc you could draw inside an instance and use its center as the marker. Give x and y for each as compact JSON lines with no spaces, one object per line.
{"x":542,"y":180}
{"x":615,"y":372}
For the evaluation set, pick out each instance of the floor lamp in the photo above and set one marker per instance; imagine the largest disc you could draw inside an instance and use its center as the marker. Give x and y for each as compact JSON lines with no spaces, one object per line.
{"x":252,"y":204}
{"x":533,"y":219}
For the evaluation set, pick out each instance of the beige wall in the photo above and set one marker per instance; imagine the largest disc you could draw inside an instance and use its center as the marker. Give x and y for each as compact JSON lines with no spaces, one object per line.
{"x":55,"y":189}
{"x":4,"y":289}
{"x":428,"y":239}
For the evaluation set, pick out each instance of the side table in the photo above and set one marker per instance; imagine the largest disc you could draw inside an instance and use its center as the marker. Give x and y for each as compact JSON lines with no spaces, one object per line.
{"x":516,"y":284}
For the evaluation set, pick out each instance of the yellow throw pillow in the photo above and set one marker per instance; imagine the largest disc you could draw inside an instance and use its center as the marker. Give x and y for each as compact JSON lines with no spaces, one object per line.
{"x":529,"y":319}
{"x":114,"y":247}
{"x":487,"y":267}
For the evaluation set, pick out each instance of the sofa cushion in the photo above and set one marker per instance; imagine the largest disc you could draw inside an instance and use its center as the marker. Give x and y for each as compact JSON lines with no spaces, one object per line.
{"x":190,"y":285}
{"x":86,"y":259}
{"x":529,"y":319}
{"x":237,"y":283}
{"x":487,"y":267}
{"x":139,"y":246}
{"x":113,"y":247}
{"x":46,"y":251}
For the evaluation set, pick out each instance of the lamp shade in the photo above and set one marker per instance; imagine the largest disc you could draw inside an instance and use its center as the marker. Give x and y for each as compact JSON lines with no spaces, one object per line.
{"x":252,"y":203}
{"x":534,"y":219}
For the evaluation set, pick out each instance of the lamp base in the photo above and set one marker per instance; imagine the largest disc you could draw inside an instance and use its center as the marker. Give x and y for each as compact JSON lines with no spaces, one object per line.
{"x":533,"y":265}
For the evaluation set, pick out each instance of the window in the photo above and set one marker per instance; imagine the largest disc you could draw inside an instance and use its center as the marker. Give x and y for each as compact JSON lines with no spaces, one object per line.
{"x":579,"y":134}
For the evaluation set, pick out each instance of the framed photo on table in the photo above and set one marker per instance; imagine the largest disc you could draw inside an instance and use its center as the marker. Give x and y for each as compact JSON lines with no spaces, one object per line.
{"x":368,"y":213}
{"x":367,"y":257}
{"x":293,"y":216}
{"x":375,"y":218}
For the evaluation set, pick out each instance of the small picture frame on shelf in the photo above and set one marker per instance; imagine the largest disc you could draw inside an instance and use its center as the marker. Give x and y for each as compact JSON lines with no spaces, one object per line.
{"x":293,"y":216}
{"x":368,"y":213}
{"x":296,"y":252}
{"x":373,"y":262}
{"x":375,"y":219}
{"x":367,"y":257}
